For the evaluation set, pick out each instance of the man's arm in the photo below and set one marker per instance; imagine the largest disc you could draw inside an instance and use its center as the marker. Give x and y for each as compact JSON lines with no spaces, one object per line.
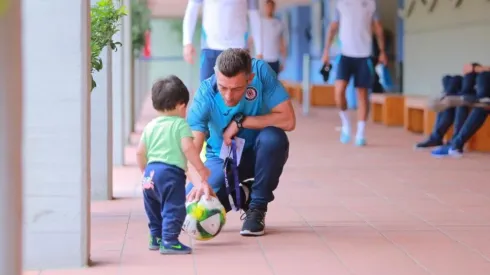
{"x":333,"y":28}
{"x":190,"y":20}
{"x":378,"y":31}
{"x":255,"y":25}
{"x":282,"y":43}
{"x":198,"y":118}
{"x":277,"y":100}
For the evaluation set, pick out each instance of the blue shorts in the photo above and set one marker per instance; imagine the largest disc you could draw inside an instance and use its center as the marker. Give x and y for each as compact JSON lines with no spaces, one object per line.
{"x":208,"y":60}
{"x":275,"y":66}
{"x":361,"y":68}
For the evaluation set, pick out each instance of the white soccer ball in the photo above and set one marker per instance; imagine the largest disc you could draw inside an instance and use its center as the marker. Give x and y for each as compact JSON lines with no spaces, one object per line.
{"x":205,"y":218}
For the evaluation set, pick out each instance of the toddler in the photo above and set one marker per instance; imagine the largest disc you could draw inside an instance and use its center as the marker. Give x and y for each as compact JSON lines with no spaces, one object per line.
{"x":165,"y":147}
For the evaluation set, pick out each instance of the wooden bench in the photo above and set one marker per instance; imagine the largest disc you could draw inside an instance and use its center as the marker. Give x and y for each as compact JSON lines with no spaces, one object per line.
{"x":480,"y":141}
{"x":414,"y":114}
{"x":294,"y":89}
{"x":320,"y":96}
{"x":387,"y":109}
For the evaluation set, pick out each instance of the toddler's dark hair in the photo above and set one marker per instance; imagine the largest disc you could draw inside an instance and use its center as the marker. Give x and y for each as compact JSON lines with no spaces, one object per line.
{"x":168,"y":92}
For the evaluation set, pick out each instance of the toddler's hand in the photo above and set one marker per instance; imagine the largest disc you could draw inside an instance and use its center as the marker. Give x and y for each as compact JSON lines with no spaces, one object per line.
{"x":204,"y":173}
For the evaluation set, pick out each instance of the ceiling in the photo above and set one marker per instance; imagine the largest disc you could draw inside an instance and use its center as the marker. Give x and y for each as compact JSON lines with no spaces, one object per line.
{"x":176,"y":8}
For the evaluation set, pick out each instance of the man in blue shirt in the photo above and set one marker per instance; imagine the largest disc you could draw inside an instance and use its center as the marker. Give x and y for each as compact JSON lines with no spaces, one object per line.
{"x":243,"y":99}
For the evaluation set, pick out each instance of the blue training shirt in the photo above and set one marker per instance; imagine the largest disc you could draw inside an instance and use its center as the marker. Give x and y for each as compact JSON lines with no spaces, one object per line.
{"x":209,"y":114}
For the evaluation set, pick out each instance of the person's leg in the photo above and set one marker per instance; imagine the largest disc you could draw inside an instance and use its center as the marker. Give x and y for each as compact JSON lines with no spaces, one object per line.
{"x":363,"y":81}
{"x":475,"y":120}
{"x":152,"y":208}
{"x":467,"y":89}
{"x":271,"y":153}
{"x":275,"y":66}
{"x":344,"y":73}
{"x":444,"y":119}
{"x":171,"y":185}
{"x":208,"y":60}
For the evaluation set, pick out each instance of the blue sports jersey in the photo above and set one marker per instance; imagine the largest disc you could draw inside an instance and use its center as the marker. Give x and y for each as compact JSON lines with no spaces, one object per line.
{"x":209,"y":114}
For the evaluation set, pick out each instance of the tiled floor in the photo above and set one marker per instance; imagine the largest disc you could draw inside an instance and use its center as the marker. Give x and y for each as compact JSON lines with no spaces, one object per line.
{"x":380,"y":210}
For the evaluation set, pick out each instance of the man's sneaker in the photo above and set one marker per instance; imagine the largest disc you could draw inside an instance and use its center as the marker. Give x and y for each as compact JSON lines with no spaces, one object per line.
{"x":447,"y":151}
{"x":360,"y":142}
{"x":253,"y":223}
{"x":344,"y":137}
{"x":428,"y":144}
{"x":174,"y":248}
{"x":154,"y":243}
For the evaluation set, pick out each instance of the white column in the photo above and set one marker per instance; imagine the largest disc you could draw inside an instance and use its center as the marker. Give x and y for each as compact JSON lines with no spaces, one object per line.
{"x":127,"y":64}
{"x":56,"y":66}
{"x":119,"y":138}
{"x":10,"y":139}
{"x":137,"y":87}
{"x":101,"y":130}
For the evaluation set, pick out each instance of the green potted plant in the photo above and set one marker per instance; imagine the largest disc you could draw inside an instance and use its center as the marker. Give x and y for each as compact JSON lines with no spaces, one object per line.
{"x":105,"y":23}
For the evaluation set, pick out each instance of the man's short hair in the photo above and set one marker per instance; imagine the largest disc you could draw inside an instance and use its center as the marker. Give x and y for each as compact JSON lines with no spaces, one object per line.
{"x":168,"y":92}
{"x":270,"y":2}
{"x":232,"y":62}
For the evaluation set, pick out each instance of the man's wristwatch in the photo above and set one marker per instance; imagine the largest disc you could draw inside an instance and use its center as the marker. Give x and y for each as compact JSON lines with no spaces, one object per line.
{"x":238,"y":119}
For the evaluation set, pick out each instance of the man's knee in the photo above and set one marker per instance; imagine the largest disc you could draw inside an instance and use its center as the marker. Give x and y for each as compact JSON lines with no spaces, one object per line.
{"x":452,"y":84}
{"x":483,"y":85}
{"x":272,"y":137}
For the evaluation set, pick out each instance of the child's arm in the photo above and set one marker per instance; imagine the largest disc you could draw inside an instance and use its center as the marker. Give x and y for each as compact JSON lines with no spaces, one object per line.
{"x":193,"y":156}
{"x":141,"y":156}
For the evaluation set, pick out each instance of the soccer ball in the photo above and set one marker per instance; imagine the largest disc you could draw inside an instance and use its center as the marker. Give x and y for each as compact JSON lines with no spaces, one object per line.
{"x":205,"y":218}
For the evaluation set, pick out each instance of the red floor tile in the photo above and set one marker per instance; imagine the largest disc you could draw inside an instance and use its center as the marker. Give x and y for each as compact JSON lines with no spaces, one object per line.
{"x":339,"y":209}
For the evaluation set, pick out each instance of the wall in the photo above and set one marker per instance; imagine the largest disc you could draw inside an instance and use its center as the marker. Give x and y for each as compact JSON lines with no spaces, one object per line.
{"x":298,"y":45}
{"x":166,"y":51}
{"x":441,"y":42}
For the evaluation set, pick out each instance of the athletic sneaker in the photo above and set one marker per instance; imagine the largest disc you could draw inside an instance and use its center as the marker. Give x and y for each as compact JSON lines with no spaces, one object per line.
{"x":447,"y":150}
{"x":344,"y":137}
{"x":360,"y":141}
{"x":154,"y":243}
{"x":253,"y":222}
{"x":174,"y":248}
{"x":428,"y":143}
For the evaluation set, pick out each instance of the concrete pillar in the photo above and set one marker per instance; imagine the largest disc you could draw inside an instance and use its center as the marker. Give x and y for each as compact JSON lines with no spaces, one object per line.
{"x":127,"y":64}
{"x":10,"y":139}
{"x":56,"y":67}
{"x":119,"y":138}
{"x":101,"y":131}
{"x":137,"y":87}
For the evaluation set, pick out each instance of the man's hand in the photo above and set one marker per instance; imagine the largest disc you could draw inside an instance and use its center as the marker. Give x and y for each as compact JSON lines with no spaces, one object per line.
{"x":467,"y":68}
{"x":326,"y":58}
{"x":259,"y":56}
{"x":383,"y":59}
{"x":189,"y":53}
{"x":230,"y":132}
{"x":197,"y":192}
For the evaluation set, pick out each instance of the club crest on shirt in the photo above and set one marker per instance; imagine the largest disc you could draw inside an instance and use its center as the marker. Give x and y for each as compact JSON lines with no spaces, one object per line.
{"x":250,"y":93}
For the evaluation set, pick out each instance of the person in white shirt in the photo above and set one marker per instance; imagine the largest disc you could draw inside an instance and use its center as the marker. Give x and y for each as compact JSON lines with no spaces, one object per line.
{"x":224,"y":26}
{"x":273,"y":38}
{"x":355,"y":21}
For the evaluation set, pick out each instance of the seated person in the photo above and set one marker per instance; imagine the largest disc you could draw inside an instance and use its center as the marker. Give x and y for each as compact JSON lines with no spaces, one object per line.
{"x":452,"y":85}
{"x":464,"y":131}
